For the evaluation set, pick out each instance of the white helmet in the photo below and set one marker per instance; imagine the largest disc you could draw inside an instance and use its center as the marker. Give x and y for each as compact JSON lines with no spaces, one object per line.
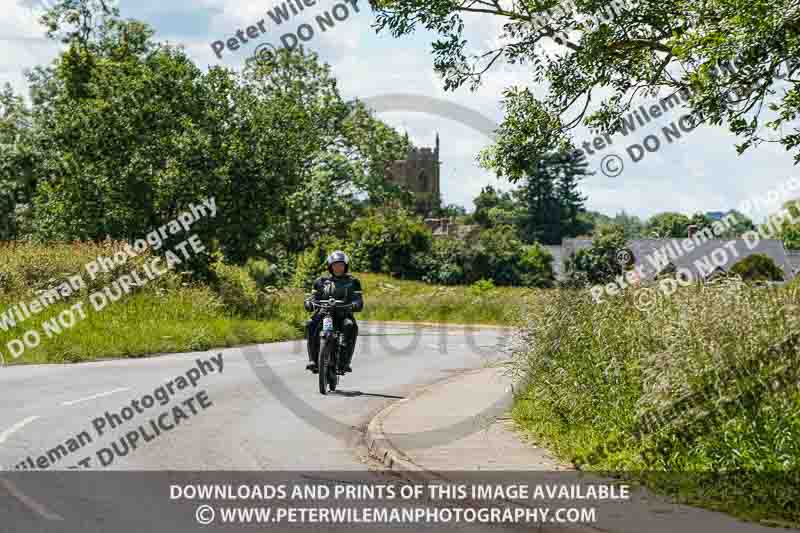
{"x":337,"y":257}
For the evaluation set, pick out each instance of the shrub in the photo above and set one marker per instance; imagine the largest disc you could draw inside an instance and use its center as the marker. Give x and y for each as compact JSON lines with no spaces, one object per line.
{"x":494,"y":256}
{"x":758,"y":267}
{"x":481,"y":288}
{"x":444,"y":264}
{"x":498,"y":254}
{"x":312,"y":263}
{"x":264,"y":273}
{"x":536,"y":265}
{"x":385,"y":242}
{"x":26,"y":267}
{"x":237,"y":290}
{"x":598,"y":263}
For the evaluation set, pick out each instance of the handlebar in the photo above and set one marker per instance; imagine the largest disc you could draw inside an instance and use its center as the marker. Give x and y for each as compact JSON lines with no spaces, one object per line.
{"x":330,"y":303}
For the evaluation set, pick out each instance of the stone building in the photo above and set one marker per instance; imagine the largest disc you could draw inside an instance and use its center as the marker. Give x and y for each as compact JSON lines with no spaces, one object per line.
{"x":419,"y":173}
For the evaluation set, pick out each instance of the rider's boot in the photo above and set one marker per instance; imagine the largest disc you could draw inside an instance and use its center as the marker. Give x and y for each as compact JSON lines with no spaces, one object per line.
{"x":345,"y":367}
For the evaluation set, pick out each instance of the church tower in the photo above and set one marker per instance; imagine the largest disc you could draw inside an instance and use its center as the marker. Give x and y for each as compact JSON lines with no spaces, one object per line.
{"x":419,"y":172}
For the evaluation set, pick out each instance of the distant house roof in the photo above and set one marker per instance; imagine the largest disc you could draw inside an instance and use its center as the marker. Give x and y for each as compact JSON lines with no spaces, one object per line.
{"x":651,"y":253}
{"x":646,"y":252}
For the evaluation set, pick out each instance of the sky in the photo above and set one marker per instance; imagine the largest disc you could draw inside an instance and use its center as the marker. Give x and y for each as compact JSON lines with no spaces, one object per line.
{"x":700,"y":171}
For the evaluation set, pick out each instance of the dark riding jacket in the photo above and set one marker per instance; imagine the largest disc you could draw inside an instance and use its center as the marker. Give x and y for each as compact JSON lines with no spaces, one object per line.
{"x":345,"y":288}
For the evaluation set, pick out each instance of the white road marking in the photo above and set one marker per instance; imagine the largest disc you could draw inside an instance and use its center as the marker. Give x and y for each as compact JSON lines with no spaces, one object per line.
{"x":102,"y":394}
{"x":16,"y":427}
{"x":31,"y":504}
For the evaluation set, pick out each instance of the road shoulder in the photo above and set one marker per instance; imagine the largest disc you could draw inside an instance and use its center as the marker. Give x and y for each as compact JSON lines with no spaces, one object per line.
{"x":398,"y":437}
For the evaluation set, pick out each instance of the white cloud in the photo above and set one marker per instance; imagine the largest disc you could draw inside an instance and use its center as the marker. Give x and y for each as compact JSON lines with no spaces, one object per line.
{"x":699,"y":172}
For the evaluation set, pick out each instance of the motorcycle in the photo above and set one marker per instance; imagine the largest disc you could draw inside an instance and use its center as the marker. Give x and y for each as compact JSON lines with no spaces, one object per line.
{"x":331,"y":346}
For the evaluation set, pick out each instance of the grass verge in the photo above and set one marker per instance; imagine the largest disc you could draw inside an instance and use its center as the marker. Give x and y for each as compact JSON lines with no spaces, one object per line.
{"x":698,"y":397}
{"x":169,"y":315}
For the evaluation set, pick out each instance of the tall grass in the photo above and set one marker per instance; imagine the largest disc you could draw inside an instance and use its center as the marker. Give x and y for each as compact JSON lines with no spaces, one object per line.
{"x":171,"y":314}
{"x":706,"y":382}
{"x":390,"y":299}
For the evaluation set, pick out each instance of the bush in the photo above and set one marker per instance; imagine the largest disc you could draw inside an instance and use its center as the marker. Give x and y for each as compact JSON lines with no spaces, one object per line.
{"x":443,"y":264}
{"x":385,"y":242}
{"x":598,"y":263}
{"x":263,"y":273}
{"x":313,"y":262}
{"x":481,"y":287}
{"x":537,"y":267}
{"x":498,"y":254}
{"x":758,"y":267}
{"x":237,"y":290}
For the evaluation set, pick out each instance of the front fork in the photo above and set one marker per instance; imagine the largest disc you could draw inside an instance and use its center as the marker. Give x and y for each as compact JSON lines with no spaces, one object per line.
{"x":340,"y":340}
{"x":327,"y":330}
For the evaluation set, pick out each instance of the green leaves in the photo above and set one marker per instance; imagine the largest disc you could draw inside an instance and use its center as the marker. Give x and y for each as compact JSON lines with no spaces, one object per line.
{"x":644,"y":48}
{"x":758,"y":267}
{"x":125,"y":132}
{"x":386,"y":240}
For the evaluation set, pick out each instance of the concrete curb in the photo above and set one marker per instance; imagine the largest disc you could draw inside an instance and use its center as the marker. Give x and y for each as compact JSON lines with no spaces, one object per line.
{"x":382,"y":450}
{"x":379,"y":446}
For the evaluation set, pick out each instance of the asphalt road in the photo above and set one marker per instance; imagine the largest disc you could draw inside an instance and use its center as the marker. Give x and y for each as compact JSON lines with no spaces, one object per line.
{"x":262,"y":412}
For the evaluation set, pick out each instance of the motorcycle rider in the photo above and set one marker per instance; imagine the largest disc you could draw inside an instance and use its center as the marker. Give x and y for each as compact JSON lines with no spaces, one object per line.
{"x":341,"y":286}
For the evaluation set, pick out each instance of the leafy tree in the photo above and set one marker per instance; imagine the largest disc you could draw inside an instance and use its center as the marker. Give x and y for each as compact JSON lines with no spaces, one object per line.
{"x":598,"y":263}
{"x":789,"y":232}
{"x":592,"y":221}
{"x":444,"y":263}
{"x":321,"y":206}
{"x":632,"y":226}
{"x":17,"y":162}
{"x":742,"y":225}
{"x":531,"y":149}
{"x":701,"y":221}
{"x":758,"y":267}
{"x":500,"y":215}
{"x":494,"y":256}
{"x":387,"y":240}
{"x":608,"y":52}
{"x":450,"y":210}
{"x":125,"y":132}
{"x":490,"y":198}
{"x":667,"y":225}
{"x":370,"y":145}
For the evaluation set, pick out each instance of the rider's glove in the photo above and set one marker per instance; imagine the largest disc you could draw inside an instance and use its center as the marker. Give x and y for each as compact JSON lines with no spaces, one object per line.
{"x":308,"y":305}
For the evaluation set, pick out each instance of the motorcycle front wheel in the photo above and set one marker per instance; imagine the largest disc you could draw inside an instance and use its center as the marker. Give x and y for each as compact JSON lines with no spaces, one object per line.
{"x":326,"y":364}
